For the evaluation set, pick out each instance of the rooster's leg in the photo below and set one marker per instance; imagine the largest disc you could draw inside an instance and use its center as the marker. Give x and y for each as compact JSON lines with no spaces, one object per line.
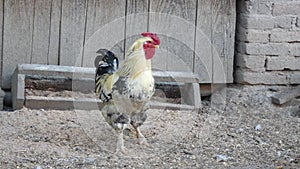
{"x":120,"y":144}
{"x":141,"y":138}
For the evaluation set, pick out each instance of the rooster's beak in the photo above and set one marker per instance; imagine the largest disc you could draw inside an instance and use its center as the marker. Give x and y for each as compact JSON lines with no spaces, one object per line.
{"x":156,"y":46}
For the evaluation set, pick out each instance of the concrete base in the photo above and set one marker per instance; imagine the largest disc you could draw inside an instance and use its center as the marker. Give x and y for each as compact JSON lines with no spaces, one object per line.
{"x":2,"y":94}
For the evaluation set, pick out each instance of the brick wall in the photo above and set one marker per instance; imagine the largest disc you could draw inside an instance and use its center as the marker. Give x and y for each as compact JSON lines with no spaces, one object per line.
{"x":268,"y":42}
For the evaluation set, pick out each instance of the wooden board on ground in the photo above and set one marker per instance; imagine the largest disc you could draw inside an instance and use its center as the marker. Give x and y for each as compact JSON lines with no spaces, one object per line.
{"x":286,"y":95}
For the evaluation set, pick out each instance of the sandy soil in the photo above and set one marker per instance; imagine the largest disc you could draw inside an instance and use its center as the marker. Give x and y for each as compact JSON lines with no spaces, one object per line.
{"x":250,"y":132}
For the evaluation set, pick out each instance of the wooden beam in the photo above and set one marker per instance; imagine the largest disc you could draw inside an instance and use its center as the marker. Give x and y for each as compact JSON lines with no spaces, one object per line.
{"x":80,"y":76}
{"x":65,"y":103}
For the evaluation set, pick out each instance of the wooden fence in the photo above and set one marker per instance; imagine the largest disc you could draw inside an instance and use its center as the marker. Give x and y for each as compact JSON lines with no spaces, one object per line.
{"x":196,"y":35}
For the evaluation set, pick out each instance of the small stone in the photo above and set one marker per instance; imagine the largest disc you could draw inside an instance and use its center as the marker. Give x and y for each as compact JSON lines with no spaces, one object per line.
{"x":278,"y":154}
{"x":89,"y":160}
{"x":258,"y":127}
{"x":193,"y":157}
{"x":187,"y":152}
{"x":221,"y":158}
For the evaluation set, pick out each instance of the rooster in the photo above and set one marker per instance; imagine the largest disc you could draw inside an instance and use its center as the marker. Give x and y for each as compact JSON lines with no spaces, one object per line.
{"x":126,"y":91}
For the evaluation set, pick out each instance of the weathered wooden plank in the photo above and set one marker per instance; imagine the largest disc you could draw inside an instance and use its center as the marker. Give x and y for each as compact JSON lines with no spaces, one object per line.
{"x":223,"y":27}
{"x":136,"y":20}
{"x":89,"y":73}
{"x":105,"y":28}
{"x":179,"y":77}
{"x":286,"y":95}
{"x":55,"y":16}
{"x":41,"y":34}
{"x":170,"y":106}
{"x":203,"y":46}
{"x":62,"y":103}
{"x":230,"y":40}
{"x":72,"y":32}
{"x":17,"y":38}
{"x":174,"y":22}
{"x":1,"y":36}
{"x":215,"y":28}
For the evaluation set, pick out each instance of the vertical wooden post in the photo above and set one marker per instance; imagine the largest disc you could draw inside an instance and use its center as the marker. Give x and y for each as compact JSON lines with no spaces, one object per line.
{"x":17,"y":38}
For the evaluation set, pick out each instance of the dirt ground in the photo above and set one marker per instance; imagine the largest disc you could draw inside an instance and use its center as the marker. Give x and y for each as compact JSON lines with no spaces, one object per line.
{"x":250,"y":132}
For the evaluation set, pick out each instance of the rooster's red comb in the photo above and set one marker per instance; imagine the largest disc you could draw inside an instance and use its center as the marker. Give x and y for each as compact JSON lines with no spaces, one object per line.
{"x":153,"y":36}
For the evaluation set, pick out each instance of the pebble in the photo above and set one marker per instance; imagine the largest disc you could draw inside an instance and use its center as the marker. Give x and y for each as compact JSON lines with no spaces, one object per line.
{"x":89,"y":160}
{"x":258,"y":127}
{"x":221,"y":158}
{"x":39,"y":167}
{"x":278,"y":154}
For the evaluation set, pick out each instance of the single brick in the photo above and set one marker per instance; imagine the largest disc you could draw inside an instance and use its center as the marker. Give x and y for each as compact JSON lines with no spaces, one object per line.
{"x":256,"y":21}
{"x":254,"y":7}
{"x":295,"y":49}
{"x":251,"y":35}
{"x":295,"y":77}
{"x":283,"y":22}
{"x":274,"y":49}
{"x":252,"y":62}
{"x":264,"y":8}
{"x":285,"y":36}
{"x":283,"y":63}
{"x":271,"y":78}
{"x":246,"y":6}
{"x":286,"y":8}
